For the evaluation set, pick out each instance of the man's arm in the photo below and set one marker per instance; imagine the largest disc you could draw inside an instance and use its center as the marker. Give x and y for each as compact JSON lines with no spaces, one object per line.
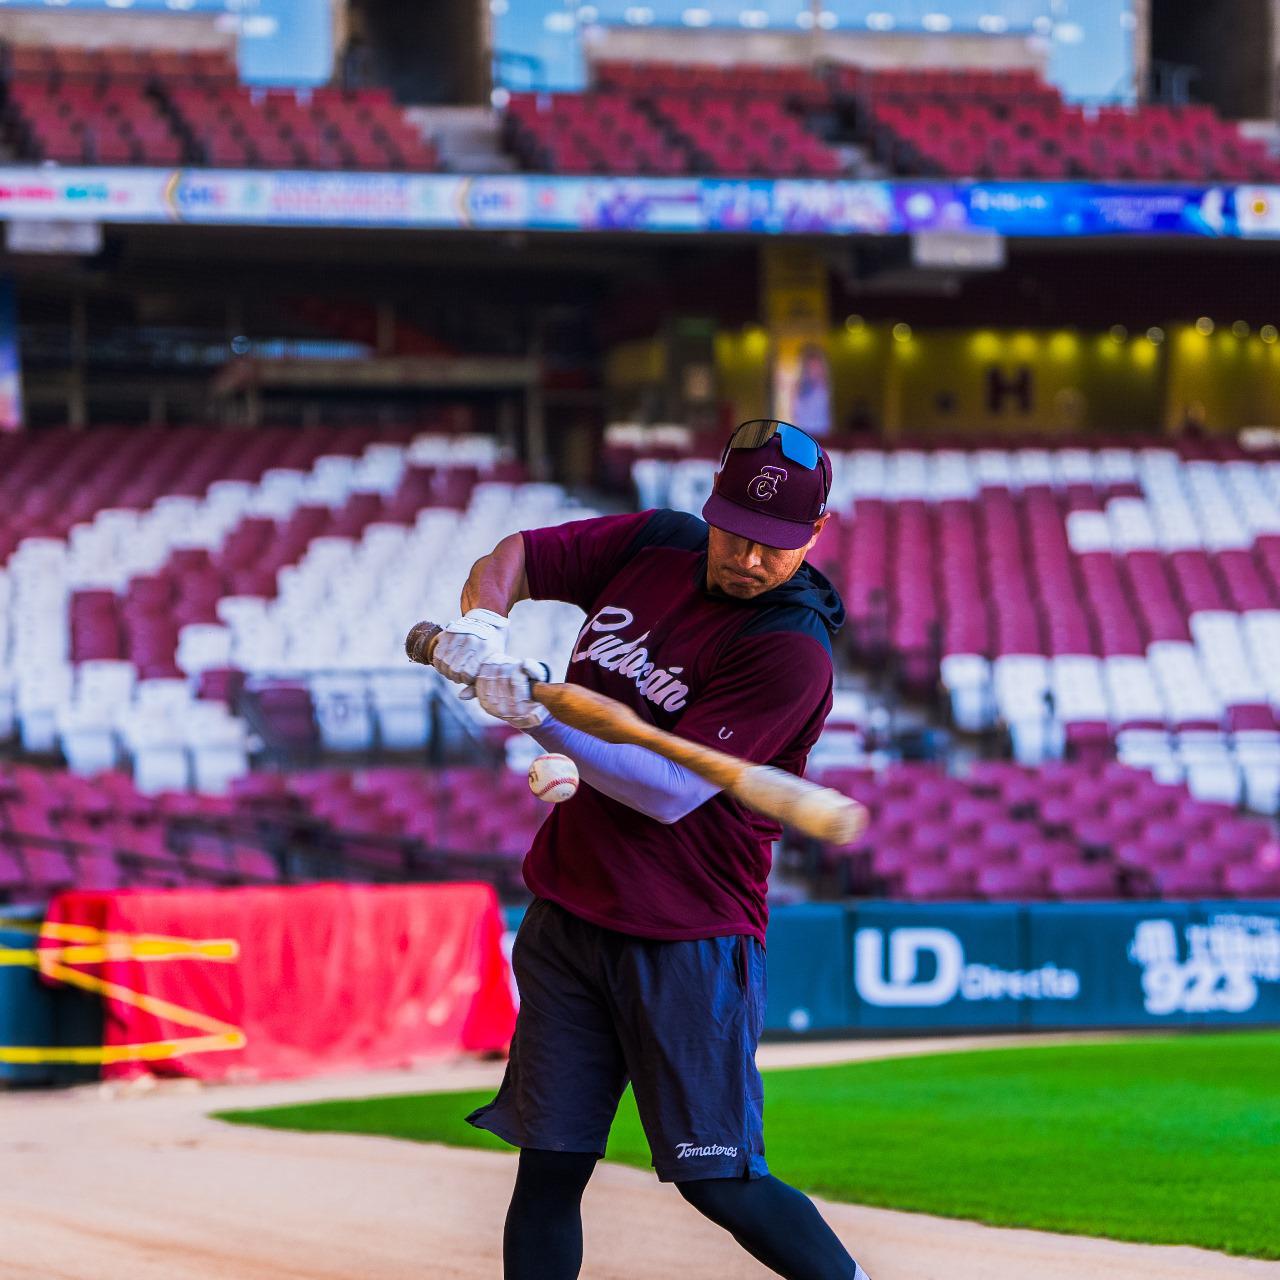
{"x":497,"y":581}
{"x":635,"y":776}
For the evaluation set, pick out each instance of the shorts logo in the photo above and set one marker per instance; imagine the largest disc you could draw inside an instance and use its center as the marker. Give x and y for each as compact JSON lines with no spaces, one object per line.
{"x":686,"y":1149}
{"x":765,"y":485}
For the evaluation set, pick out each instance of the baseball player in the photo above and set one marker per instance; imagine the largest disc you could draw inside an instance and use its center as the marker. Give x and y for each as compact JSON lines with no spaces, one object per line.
{"x":641,"y":957}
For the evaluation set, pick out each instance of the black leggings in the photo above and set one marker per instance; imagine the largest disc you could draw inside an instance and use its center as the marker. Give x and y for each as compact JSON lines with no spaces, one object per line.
{"x":543,"y":1235}
{"x":773,"y":1222}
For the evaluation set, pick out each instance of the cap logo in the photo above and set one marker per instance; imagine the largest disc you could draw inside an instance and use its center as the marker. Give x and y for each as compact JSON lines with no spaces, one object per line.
{"x":765,"y":485}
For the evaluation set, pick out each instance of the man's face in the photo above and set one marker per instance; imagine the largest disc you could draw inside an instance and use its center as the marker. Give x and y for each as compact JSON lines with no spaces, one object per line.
{"x":745,"y":569}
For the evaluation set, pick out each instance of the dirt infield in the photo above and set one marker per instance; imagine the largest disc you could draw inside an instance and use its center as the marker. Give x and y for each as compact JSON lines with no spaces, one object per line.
{"x":108,"y":1184}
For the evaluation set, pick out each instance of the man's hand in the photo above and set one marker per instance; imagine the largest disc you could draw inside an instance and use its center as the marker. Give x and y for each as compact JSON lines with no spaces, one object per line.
{"x":467,"y":643}
{"x":503,"y":688}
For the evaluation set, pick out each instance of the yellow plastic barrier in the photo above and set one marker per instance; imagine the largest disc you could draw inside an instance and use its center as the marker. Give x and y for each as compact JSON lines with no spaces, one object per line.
{"x":87,"y":945}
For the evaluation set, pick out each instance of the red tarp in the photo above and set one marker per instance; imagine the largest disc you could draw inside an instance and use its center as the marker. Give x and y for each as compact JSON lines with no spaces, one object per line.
{"x":307,"y":979}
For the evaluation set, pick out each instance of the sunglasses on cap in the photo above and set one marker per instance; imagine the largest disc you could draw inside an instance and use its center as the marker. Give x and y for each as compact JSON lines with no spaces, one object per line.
{"x":797,"y":445}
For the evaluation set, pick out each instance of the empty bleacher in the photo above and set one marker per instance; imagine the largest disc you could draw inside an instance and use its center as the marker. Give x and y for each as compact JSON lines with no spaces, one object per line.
{"x":152,"y":107}
{"x":1000,"y":832}
{"x":1094,"y":601}
{"x":1118,"y":605}
{"x":1065,"y":830}
{"x":661,"y":118}
{"x":1012,"y":124}
{"x":668,"y":120}
{"x":163,"y":107}
{"x":59,"y":831}
{"x":190,"y":560}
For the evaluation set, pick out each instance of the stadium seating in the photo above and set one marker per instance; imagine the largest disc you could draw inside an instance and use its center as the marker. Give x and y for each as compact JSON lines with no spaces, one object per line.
{"x":661,"y":118}
{"x":588,"y":133}
{"x":154,"y":107}
{"x":231,"y":125}
{"x":299,"y":556}
{"x":1014,"y":125}
{"x":60,"y":831}
{"x":752,"y":136}
{"x":1088,"y":600}
{"x":1000,"y":833}
{"x":83,"y":122}
{"x":665,"y":119}
{"x":1062,"y":831}
{"x":795,"y":87}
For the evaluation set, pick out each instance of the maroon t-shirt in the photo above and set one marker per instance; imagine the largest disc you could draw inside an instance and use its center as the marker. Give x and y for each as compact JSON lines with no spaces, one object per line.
{"x":750,"y":677}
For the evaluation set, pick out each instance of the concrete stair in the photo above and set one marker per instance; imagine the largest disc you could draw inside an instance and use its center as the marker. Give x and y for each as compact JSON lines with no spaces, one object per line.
{"x":468,"y":139}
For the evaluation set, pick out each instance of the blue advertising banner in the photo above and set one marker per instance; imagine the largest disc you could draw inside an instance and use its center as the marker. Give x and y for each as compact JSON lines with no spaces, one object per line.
{"x":10,"y":363}
{"x":1097,"y":941}
{"x":953,"y":966}
{"x":916,"y":967}
{"x":536,"y":202}
{"x":806,"y":991}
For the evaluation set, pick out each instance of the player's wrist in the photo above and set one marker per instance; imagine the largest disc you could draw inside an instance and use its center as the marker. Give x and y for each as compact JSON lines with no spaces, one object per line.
{"x":487,"y":617}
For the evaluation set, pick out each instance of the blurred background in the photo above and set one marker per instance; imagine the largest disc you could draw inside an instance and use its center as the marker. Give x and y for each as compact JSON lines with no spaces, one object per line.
{"x":304,"y":304}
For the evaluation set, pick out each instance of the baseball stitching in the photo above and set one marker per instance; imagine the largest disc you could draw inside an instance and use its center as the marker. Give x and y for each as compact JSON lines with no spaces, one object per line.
{"x":555,"y":782}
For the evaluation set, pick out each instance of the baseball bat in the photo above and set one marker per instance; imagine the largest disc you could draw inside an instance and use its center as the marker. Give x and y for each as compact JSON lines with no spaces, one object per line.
{"x":814,"y":810}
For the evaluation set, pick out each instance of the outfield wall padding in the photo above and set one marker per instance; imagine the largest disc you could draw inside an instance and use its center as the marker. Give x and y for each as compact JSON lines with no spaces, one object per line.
{"x":262,"y":983}
{"x":330,"y":977}
{"x":917,"y":967}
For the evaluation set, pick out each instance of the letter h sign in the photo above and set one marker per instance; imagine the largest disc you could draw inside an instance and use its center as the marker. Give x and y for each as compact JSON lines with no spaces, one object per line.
{"x":1017,"y":387}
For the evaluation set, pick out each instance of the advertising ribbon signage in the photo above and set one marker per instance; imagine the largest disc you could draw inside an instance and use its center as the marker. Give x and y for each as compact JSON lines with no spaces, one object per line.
{"x":988,"y":966}
{"x":538,"y":202}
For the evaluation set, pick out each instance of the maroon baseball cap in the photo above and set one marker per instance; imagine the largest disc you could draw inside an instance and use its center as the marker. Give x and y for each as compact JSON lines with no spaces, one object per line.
{"x":765,"y":496}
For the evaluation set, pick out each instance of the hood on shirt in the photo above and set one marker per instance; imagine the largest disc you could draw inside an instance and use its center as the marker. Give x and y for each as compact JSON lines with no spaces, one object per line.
{"x":807,"y":588}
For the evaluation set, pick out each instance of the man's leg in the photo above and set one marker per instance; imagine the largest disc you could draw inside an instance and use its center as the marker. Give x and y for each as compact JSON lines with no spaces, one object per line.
{"x":689,"y":1016}
{"x":778,"y":1225}
{"x":543,"y":1235}
{"x":559,"y":1093}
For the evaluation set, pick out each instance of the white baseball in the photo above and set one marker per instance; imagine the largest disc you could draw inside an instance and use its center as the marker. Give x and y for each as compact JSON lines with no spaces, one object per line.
{"x":553,"y":777}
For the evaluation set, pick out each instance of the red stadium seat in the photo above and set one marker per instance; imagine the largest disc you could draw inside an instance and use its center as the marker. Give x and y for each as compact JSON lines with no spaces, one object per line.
{"x":120,"y":106}
{"x":976,"y":124}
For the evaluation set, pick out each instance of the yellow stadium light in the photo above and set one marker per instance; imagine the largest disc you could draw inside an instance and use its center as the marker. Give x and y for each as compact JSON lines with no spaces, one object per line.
{"x":1194,"y":342}
{"x":1063,"y":345}
{"x":854,"y":323}
{"x":1240,"y":329}
{"x":1118,"y":333}
{"x":985,"y":344}
{"x":1204,"y":325}
{"x":1155,"y":335}
{"x":902,"y":331}
{"x":1268,"y":333}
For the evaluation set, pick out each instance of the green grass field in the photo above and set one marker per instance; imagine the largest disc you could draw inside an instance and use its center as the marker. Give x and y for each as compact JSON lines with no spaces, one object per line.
{"x":1165,"y":1140}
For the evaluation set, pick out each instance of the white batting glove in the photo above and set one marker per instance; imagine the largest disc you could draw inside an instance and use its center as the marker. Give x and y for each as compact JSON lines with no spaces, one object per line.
{"x":503,"y":688}
{"x":467,"y":643}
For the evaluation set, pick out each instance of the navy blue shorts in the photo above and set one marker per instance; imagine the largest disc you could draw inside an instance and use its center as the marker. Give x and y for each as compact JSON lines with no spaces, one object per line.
{"x":680,"y":1020}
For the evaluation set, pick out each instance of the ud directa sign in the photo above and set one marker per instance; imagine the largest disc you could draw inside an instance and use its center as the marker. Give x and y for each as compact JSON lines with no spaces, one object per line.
{"x":897,"y":966}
